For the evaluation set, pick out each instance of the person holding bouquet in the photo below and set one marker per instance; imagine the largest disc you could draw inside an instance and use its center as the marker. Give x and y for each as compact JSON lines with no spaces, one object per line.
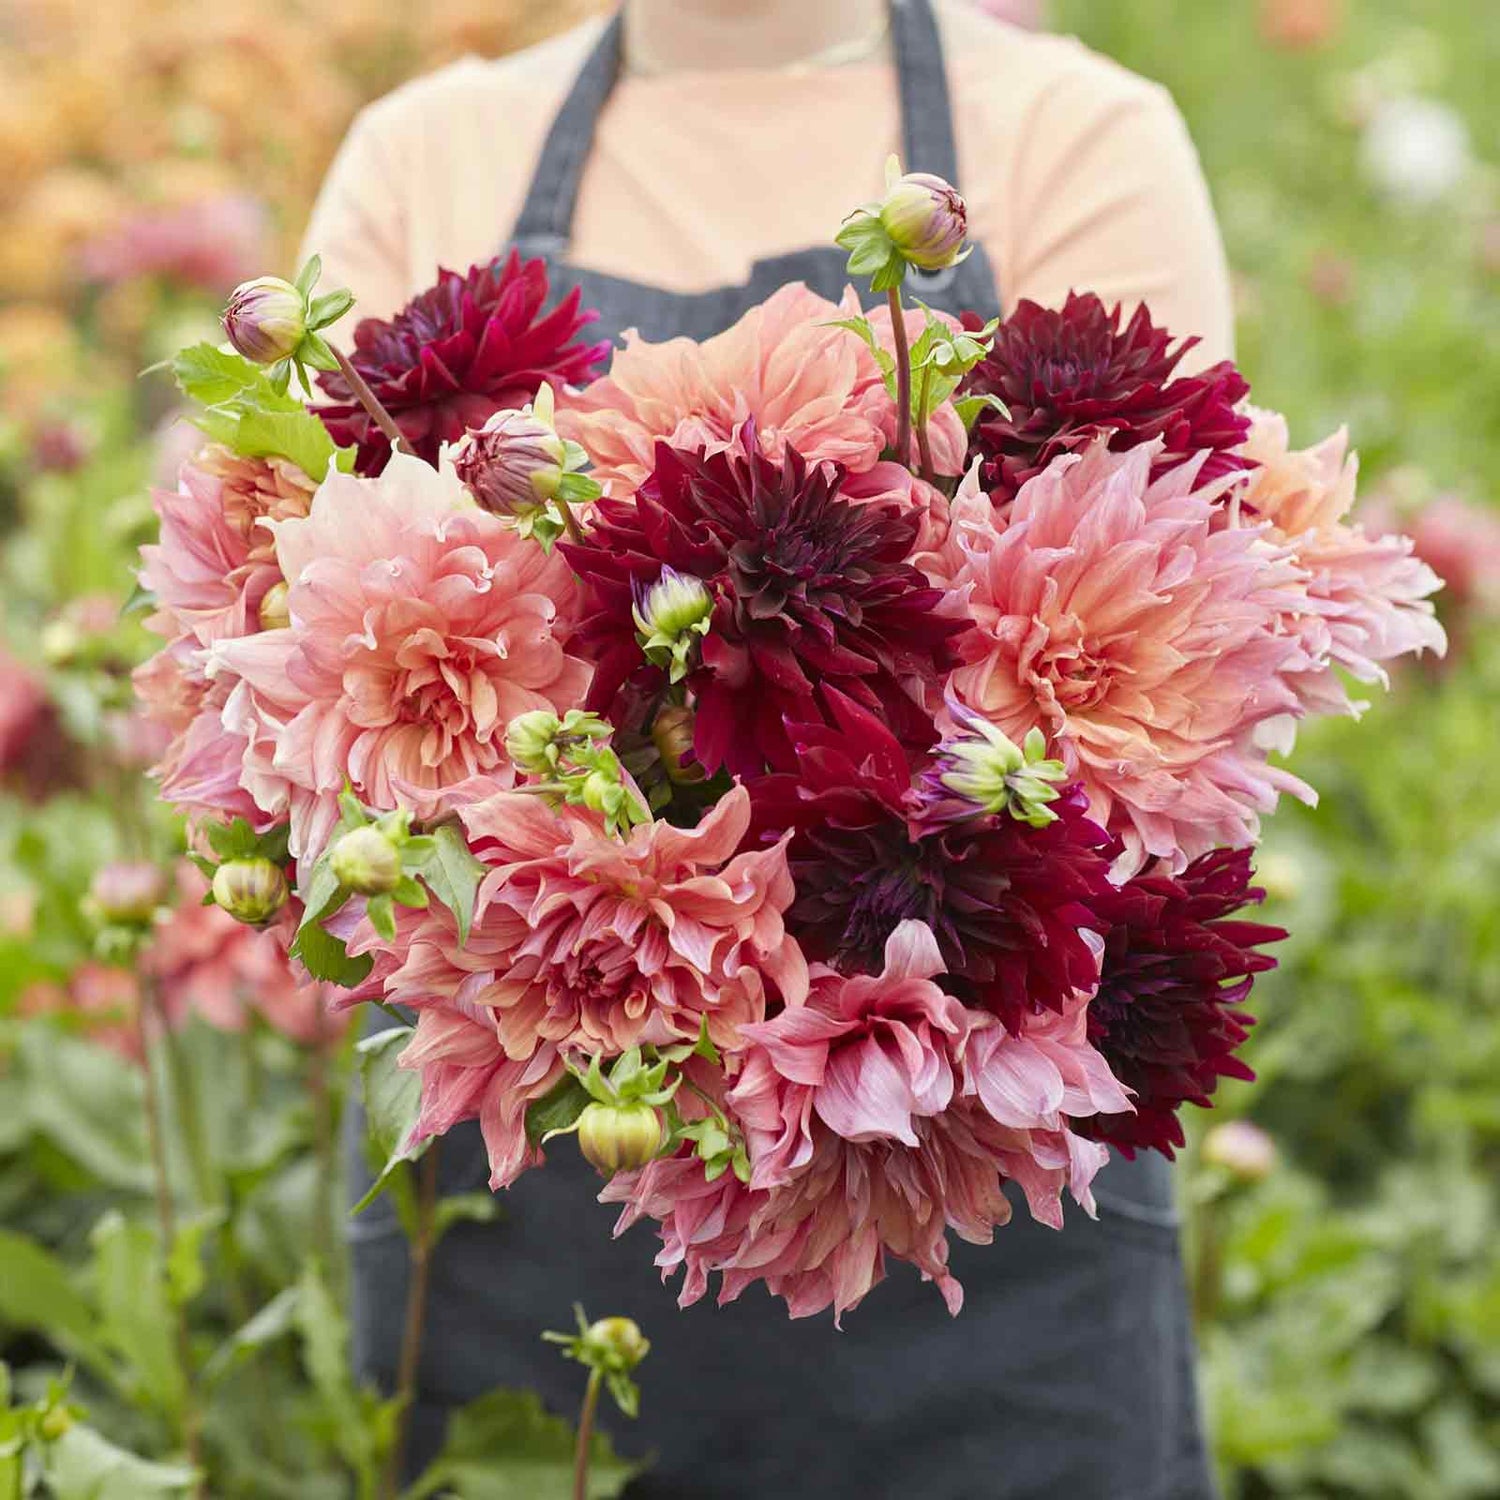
{"x":674,"y":161}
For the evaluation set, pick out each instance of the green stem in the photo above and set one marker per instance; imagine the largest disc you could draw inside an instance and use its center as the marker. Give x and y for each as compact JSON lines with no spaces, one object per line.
{"x":371,"y":403}
{"x":585,"y":1436}
{"x":189,"y":1119}
{"x":322,"y":1102}
{"x":570,"y":521}
{"x":903,"y":377}
{"x":166,"y":1227}
{"x":924,"y":446}
{"x":416,"y":1314}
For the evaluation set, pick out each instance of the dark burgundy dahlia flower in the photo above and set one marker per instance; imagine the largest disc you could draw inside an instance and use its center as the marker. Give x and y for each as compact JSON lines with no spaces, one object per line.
{"x":1007,"y":901}
{"x":1177,"y":966}
{"x":811,"y":593}
{"x":456,"y":354}
{"x":1067,"y":375}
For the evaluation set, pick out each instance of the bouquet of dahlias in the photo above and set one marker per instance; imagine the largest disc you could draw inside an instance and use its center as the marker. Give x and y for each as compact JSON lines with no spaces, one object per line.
{"x":819,"y":766}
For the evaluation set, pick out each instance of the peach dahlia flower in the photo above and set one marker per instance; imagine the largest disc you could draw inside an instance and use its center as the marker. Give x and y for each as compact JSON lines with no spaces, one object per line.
{"x":420,"y":627}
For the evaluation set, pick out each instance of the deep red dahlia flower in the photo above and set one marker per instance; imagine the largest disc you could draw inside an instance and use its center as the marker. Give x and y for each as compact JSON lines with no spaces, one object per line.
{"x":456,"y":354}
{"x":1067,"y":375}
{"x":811,"y":593}
{"x":1177,"y":967}
{"x":1005,"y":900}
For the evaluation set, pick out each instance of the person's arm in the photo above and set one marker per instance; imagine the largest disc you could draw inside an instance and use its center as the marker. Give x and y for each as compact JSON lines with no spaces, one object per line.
{"x":358,"y":223}
{"x":1108,"y":196}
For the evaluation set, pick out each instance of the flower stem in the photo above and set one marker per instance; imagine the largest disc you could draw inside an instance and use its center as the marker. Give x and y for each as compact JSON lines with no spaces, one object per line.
{"x":371,"y":403}
{"x":416,"y":1314}
{"x":166,"y":1227}
{"x":322,"y":1102}
{"x":924,"y":446}
{"x":903,"y":377}
{"x":585,"y":1435}
{"x":575,"y":531}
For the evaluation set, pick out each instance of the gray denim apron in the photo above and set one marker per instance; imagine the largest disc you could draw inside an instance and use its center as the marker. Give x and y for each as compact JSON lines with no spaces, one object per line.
{"x":1069,"y":1372}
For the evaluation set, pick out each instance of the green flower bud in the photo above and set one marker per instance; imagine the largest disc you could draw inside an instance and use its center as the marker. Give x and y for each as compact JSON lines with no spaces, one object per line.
{"x":366,"y":861}
{"x":926,"y":219}
{"x":531,"y":742}
{"x":127,"y":895}
{"x":266,"y":319}
{"x":274,"y":613}
{"x":619,"y":1137}
{"x":615,"y":1345}
{"x":997,"y":775}
{"x":56,"y":1422}
{"x":250,"y":890}
{"x":672,"y":614}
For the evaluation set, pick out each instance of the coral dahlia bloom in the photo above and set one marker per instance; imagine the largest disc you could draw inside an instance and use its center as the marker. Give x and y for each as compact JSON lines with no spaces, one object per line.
{"x":810,"y":592}
{"x":871,"y":1135}
{"x":804,"y":383}
{"x":456,"y":354}
{"x":1071,"y":375}
{"x":215,"y":559}
{"x":594,"y":943}
{"x":1178,"y":965}
{"x":1367,"y":596}
{"x":1143,"y":637}
{"x":420,"y":627}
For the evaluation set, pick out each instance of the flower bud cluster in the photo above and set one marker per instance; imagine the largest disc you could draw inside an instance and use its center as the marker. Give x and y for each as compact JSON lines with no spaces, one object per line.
{"x":573,"y":763}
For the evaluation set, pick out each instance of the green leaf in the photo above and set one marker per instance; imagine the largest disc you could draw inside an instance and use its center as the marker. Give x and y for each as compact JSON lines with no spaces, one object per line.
{"x":307,"y":277}
{"x":883,"y":358}
{"x":275,"y":1320}
{"x":213,"y":376}
{"x":453,"y":874}
{"x":295,"y":435}
{"x":185,"y":1276}
{"x":326,"y":957}
{"x":329,"y":307}
{"x":84,"y":1465}
{"x":505,"y":1446}
{"x":37,"y":1292}
{"x":138,"y":1320}
{"x":236,"y":840}
{"x":557,"y":1110}
{"x":392,"y":1097}
{"x":382,"y":915}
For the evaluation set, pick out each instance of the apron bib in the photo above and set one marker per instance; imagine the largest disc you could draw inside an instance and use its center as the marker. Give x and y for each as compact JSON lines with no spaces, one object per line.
{"x":1069,"y":1373}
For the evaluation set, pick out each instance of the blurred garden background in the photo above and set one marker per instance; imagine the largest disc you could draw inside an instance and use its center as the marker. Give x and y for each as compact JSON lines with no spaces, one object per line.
{"x":1343,"y":1228}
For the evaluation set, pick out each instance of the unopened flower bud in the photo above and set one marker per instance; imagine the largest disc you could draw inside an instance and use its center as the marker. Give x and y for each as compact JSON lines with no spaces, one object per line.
{"x":56,"y":1422}
{"x":989,"y":770}
{"x":615,"y":1345}
{"x":1243,"y":1149}
{"x":266,"y":319}
{"x":127,"y":895}
{"x":672,"y":734}
{"x":274,"y":611}
{"x":669,"y":617}
{"x":366,"y":861}
{"x":619,"y":1137}
{"x":250,"y":890}
{"x":513,"y":464}
{"x":531,"y":741}
{"x":926,"y":219}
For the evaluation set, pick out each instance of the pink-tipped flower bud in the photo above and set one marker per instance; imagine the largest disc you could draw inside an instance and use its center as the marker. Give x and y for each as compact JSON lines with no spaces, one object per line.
{"x":926,"y":219}
{"x":367,"y":862}
{"x":266,"y":319}
{"x":513,"y":464}
{"x":274,"y":612}
{"x":1243,"y":1149}
{"x":250,"y":890}
{"x":127,"y":895}
{"x":619,"y":1137}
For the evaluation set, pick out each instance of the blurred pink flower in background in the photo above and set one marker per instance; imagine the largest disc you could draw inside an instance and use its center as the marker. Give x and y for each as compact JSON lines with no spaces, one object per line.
{"x":1299,"y":24}
{"x":24,"y":711}
{"x":1032,"y":14}
{"x":99,"y":999}
{"x":210,"y":243}
{"x":1458,"y":540}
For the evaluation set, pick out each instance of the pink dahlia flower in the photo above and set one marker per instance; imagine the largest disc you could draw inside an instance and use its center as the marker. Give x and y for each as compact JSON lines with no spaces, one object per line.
{"x":216,"y":559}
{"x":466,"y":1075}
{"x":420,"y":627}
{"x":1143,"y":637}
{"x":1367,"y":596}
{"x":878,"y":1116}
{"x":805,"y":384}
{"x":24,"y":711}
{"x":594,"y":943}
{"x":211,"y":242}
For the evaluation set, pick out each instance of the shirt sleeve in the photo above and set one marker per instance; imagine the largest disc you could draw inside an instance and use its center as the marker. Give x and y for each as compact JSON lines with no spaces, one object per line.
{"x":1110,"y":198}
{"x":358,"y":223}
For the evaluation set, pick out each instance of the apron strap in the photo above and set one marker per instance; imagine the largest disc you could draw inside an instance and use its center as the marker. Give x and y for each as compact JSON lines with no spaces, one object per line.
{"x":545,"y":224}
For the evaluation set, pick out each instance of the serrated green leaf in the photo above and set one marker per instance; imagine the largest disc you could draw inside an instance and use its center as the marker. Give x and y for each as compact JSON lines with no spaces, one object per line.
{"x":84,"y":1465}
{"x":236,"y":840}
{"x":294,"y":435}
{"x":557,"y":1110}
{"x":392,"y":1098}
{"x":37,"y":1292}
{"x":213,"y":377}
{"x":453,"y":875}
{"x":185,"y":1275}
{"x":326,"y":957}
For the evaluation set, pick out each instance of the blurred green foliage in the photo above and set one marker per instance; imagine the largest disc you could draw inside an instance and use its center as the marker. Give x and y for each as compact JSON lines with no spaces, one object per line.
{"x":1350,"y":1302}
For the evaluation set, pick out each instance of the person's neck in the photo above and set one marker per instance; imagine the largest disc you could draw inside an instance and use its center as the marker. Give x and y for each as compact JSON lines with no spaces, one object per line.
{"x":664,"y":36}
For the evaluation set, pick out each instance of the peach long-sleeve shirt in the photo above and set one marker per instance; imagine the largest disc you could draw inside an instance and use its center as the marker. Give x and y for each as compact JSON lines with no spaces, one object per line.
{"x":1078,"y":174}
